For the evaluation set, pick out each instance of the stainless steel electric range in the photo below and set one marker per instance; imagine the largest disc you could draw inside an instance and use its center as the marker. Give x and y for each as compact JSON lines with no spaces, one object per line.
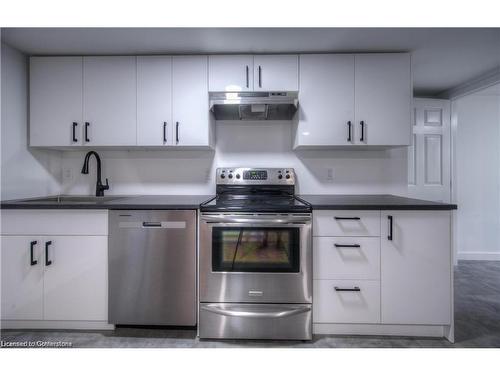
{"x":255,"y":261}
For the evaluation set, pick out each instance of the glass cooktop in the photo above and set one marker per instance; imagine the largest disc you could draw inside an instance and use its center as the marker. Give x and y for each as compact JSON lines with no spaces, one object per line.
{"x":256,"y":203}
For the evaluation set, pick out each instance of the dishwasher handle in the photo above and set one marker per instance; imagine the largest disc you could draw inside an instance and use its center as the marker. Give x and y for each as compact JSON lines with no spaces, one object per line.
{"x":151,"y":224}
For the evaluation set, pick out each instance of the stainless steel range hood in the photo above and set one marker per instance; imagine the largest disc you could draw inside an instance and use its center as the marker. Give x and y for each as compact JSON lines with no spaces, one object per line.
{"x":254,"y":105}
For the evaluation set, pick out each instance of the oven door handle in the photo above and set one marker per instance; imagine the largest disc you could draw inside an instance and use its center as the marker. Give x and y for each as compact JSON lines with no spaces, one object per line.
{"x":214,"y":219}
{"x":280,"y":313}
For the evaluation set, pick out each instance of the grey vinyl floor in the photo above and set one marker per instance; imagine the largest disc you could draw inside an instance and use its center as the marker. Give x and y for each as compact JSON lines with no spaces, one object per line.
{"x":477,"y":324}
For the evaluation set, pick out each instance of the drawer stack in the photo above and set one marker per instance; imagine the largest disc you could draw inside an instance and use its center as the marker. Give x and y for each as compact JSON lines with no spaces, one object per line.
{"x":346,"y":266}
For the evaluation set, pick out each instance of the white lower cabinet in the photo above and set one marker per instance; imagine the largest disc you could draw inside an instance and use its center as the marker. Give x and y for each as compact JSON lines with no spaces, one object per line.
{"x":56,"y":279}
{"x":346,"y":301}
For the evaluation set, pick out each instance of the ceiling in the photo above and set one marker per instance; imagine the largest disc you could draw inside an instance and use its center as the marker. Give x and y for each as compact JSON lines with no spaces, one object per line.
{"x":442,"y":58}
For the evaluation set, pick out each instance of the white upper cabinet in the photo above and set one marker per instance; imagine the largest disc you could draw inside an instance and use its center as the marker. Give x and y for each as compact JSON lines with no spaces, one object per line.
{"x":416,"y":267}
{"x":190,"y":101}
{"x":232,"y":73}
{"x":276,"y":72}
{"x":154,"y":101}
{"x":383,"y":99}
{"x":326,"y":97}
{"x":109,"y":100}
{"x":56,"y":101}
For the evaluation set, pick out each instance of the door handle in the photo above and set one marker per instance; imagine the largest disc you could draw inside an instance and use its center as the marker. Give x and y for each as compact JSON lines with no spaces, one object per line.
{"x":47,"y":261}
{"x":355,"y":289}
{"x":151,"y":224}
{"x":340,"y":245}
{"x":32,"y":245}
{"x":347,"y":218}
{"x":164,"y":132}
{"x":362,"y":138}
{"x":87,"y":124}
{"x":248,"y":84}
{"x":349,"y":139}
{"x":177,"y":132}
{"x":279,"y":313}
{"x":74,"y":132}
{"x":260,"y":76}
{"x":389,"y":237}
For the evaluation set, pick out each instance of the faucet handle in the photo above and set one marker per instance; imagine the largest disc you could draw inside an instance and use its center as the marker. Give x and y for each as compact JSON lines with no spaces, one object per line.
{"x":106,"y":187}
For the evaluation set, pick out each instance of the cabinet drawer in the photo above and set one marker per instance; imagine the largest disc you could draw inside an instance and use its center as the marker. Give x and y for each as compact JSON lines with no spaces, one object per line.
{"x":337,"y":306}
{"x":346,"y":258}
{"x":346,"y":223}
{"x":55,"y":222}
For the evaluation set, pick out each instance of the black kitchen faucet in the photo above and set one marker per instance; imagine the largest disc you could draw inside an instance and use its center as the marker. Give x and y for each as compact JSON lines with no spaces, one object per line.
{"x":99,"y":187}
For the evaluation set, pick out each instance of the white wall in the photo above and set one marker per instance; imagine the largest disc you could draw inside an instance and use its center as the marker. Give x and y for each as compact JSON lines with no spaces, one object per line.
{"x":241,"y":144}
{"x":478,"y":175}
{"x":24,"y":172}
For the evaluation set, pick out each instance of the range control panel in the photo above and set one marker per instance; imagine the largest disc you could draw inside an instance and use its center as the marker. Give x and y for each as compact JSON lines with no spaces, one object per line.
{"x":255,"y":176}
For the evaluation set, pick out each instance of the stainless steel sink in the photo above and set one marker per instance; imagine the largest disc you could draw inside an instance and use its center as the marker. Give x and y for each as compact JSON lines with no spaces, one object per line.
{"x":76,"y":199}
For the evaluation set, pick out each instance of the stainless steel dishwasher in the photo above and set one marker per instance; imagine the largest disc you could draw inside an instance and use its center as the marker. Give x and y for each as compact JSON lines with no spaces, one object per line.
{"x":152,"y":267}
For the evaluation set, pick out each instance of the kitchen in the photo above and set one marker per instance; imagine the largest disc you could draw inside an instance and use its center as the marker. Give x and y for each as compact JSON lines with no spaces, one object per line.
{"x":224,"y":199}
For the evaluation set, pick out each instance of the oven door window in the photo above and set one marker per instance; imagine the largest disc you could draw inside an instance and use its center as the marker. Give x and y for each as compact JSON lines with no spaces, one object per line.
{"x":253,"y":249}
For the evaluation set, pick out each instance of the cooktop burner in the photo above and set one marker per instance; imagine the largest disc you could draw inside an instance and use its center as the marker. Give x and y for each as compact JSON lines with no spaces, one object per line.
{"x":255,"y":190}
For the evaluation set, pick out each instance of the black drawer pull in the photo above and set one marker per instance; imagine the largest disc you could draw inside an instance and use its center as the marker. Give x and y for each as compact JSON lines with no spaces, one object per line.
{"x":389,"y":237}
{"x":74,"y":132}
{"x":47,"y":261}
{"x":32,"y":245}
{"x":165,"y":132}
{"x":340,"y":245}
{"x":260,"y":76}
{"x":355,"y":289}
{"x":347,"y":218}
{"x":151,"y":224}
{"x":362,"y":138}
{"x":349,"y":138}
{"x":247,"y":78}
{"x":177,"y":132}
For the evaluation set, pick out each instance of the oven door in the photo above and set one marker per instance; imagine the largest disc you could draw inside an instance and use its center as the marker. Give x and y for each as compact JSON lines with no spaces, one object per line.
{"x":255,"y":258}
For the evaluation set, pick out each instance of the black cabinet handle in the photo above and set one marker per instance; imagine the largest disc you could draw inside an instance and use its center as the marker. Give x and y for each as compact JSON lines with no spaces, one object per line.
{"x":340,"y":245}
{"x":248,"y":84}
{"x":260,"y":76}
{"x":177,"y":132}
{"x":349,"y":139}
{"x":47,"y":261}
{"x":74,"y":132}
{"x":32,"y":245}
{"x":347,"y":218}
{"x":87,"y":132}
{"x":355,"y":289}
{"x":165,"y":132}
{"x":362,"y":138}
{"x":389,"y":237}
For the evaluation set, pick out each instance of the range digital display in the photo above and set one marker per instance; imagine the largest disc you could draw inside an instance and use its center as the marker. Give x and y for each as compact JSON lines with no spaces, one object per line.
{"x":255,"y":175}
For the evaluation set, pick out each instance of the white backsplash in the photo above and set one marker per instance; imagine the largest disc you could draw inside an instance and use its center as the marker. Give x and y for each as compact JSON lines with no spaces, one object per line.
{"x":257,"y":144}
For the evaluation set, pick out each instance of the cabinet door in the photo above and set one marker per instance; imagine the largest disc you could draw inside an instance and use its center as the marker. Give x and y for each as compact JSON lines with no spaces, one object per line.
{"x":326,"y":111}
{"x":22,"y":282}
{"x":190,"y":100}
{"x":416,"y":267}
{"x":76,"y":283}
{"x":230,"y":73}
{"x":276,"y":72}
{"x":109,"y":100}
{"x":154,"y":100}
{"x":55,"y":101}
{"x":383,"y":99}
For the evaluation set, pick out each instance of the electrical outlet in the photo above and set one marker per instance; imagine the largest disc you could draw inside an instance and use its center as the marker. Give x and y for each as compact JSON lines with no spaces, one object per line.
{"x":330,"y":174}
{"x":68,"y":174}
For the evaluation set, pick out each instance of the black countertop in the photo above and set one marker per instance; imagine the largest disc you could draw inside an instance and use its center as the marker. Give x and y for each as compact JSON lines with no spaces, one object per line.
{"x":372,"y":202}
{"x":179,"y":202}
{"x":138,"y":202}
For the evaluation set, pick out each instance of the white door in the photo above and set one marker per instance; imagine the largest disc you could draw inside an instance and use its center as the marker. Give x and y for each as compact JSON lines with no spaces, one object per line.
{"x":109,"y":100}
{"x":429,"y":155}
{"x":76,"y":282}
{"x":22,"y":280}
{"x":276,"y":72}
{"x":416,"y":267}
{"x":230,"y":73}
{"x":383,"y":99}
{"x":190,"y":100}
{"x":326,"y":97}
{"x":154,"y":100}
{"x":56,"y":88}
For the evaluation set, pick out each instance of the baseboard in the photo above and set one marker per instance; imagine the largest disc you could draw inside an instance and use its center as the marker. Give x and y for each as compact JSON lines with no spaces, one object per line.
{"x":382,"y":329}
{"x":55,"y":324}
{"x":478,"y":255}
